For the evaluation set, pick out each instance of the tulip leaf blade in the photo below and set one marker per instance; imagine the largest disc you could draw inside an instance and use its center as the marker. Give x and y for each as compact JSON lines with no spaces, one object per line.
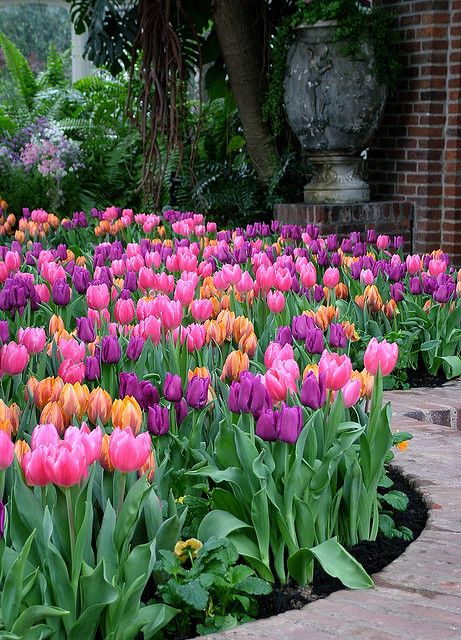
{"x":13,"y":586}
{"x":337,"y":562}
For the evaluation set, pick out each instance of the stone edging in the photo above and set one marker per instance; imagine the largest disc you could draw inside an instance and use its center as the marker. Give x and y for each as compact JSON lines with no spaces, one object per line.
{"x":418,"y":596}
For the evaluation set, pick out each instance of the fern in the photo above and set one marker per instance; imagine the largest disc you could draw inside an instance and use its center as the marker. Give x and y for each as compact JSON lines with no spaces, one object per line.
{"x":20,"y":71}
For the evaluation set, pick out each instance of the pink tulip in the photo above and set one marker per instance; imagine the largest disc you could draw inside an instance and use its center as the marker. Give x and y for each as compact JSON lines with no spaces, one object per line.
{"x":65,"y":464}
{"x":245,"y":284}
{"x":135,"y":263}
{"x":13,"y":358}
{"x":275,"y":352}
{"x":231,"y":273}
{"x":351,"y":392}
{"x":413,"y":264}
{"x":3,"y":272}
{"x":118,"y":268}
{"x":367,"y":277}
{"x":124,"y":311}
{"x":337,"y":368}
{"x":6,"y":450}
{"x":204,"y":269}
{"x":265,"y":277}
{"x":99,"y":316}
{"x":201,"y":309}
{"x":133,"y":249}
{"x":33,"y":466}
{"x":184,"y":292}
{"x":127,"y":452}
{"x":91,"y":441}
{"x":165,"y":283}
{"x":71,"y":371}
{"x":196,"y":336}
{"x":43,"y":292}
{"x":153,"y":259}
{"x":331,"y":277}
{"x":278,"y":382}
{"x":71,"y":349}
{"x":44,"y":434}
{"x":150,"y":328}
{"x":12,"y":260}
{"x":283,"y":279}
{"x":380,"y":354}
{"x":211,"y":227}
{"x":97,"y":296}
{"x":146,"y":279}
{"x":275,"y":301}
{"x":32,"y":338}
{"x":187,"y":261}
{"x":436,"y":267}
{"x":382,"y":242}
{"x":308,"y":275}
{"x":170,"y":314}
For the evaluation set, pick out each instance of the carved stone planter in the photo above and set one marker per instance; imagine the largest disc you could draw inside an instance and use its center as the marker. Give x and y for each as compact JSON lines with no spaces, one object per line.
{"x":334,"y":104}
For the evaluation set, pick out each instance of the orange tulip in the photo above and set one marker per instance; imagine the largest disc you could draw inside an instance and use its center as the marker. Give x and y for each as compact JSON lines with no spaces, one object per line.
{"x":235,"y":363}
{"x":56,"y":324}
{"x":311,"y":367}
{"x":104,"y":458}
{"x":30,"y":388}
{"x":99,"y":406}
{"x":373,"y":298}
{"x":201,"y":372}
{"x":341,"y":291}
{"x":127,"y":413}
{"x":349,"y":331}
{"x":52,"y":412}
{"x":390,"y":309}
{"x":214,"y":332}
{"x":47,"y":390}
{"x":20,"y":449}
{"x":74,"y":400}
{"x":15,"y":417}
{"x":227,"y":319}
{"x":148,"y":467}
{"x":248,"y":343}
{"x":242,"y":326}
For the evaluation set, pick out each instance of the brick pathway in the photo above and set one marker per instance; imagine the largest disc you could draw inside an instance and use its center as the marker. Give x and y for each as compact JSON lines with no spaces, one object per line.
{"x":418,"y":596}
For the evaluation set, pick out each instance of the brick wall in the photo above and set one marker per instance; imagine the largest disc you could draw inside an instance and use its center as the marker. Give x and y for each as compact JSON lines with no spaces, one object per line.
{"x":416,"y":154}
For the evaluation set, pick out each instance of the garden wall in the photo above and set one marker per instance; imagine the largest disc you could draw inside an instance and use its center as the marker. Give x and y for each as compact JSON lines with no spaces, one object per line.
{"x":416,"y":154}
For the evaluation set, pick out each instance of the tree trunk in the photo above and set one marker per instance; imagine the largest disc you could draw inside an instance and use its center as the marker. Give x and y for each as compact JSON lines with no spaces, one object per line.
{"x":241,"y":36}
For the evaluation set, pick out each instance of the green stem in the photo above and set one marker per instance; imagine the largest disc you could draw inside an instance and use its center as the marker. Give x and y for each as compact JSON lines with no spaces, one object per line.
{"x":71,"y":518}
{"x":121,"y":492}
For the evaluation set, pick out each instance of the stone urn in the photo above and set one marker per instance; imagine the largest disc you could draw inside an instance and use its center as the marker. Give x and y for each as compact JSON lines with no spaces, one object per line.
{"x":334,"y":103}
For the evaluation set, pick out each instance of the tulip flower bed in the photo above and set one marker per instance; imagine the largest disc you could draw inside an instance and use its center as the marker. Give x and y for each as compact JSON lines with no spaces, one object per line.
{"x":189,"y":416}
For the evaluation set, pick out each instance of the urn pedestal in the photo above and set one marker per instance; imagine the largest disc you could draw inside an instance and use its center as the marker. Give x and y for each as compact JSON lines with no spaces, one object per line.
{"x":334,"y":103}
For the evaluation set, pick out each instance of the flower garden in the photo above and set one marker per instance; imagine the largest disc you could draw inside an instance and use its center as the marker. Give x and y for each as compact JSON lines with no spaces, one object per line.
{"x":192,"y":417}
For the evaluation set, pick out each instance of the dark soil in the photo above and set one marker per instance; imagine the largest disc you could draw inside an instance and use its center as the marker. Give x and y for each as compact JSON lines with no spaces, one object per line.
{"x":373,"y":556}
{"x":421,"y":378}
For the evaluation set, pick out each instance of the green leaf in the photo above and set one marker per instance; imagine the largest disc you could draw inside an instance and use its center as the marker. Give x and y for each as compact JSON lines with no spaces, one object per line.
{"x":151,"y":619}
{"x":337,"y":562}
{"x":168,"y":533}
{"x":396,"y":499}
{"x":386,"y":525}
{"x":129,"y":513}
{"x":12,"y":589}
{"x":192,"y":593}
{"x":254,"y":586}
{"x":34,"y":614}
{"x":219,"y":524}
{"x":452,"y":366}
{"x":430,"y":344}
{"x":300,"y":566}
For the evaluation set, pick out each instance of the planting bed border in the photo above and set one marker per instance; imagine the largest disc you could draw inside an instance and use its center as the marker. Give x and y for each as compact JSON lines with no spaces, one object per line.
{"x":418,"y":596}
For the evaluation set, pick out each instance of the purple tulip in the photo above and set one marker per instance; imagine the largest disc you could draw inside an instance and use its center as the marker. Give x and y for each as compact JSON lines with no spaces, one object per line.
{"x":313,"y":393}
{"x":197,"y":392}
{"x":81,"y":279}
{"x":371,"y":236}
{"x":397,"y":291}
{"x":85,"y":330}
{"x":284,"y":336}
{"x":266,"y":426}
{"x":92,"y":368}
{"x":301,"y":325}
{"x":4,"y":331}
{"x":149,"y":395}
{"x":416,"y":287}
{"x":337,"y":336}
{"x":110,"y":350}
{"x":134,"y":347}
{"x":332,"y":242}
{"x":60,"y":292}
{"x":129,"y":386}
{"x":131,"y":281}
{"x":172,"y":387}
{"x":356,"y":268}
{"x":158,"y":420}
{"x":314,"y":341}
{"x":319,"y":294}
{"x":289,"y":423}
{"x":181,"y":411}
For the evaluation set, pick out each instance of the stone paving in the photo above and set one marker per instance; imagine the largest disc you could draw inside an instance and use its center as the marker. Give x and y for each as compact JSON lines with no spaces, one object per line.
{"x":418,"y":596}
